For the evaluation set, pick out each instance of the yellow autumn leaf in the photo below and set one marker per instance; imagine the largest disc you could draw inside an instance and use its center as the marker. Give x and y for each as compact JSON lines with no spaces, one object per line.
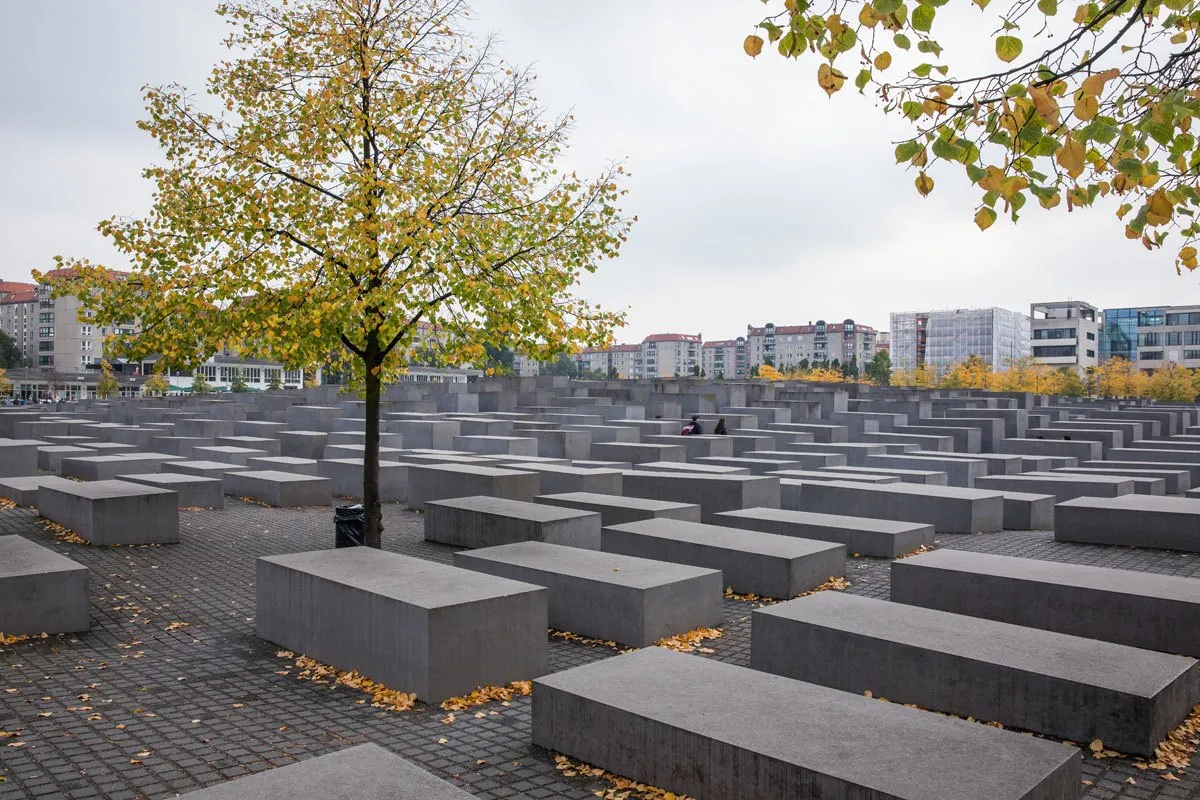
{"x":829,"y":79}
{"x":753,"y":45}
{"x":924,"y":184}
{"x":883,"y":60}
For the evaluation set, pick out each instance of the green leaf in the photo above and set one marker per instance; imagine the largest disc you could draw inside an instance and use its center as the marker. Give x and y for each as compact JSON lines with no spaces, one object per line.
{"x":902,"y":41}
{"x":945,"y":150}
{"x":1131,"y":167}
{"x":885,"y":7}
{"x":906,"y":150}
{"x":1048,"y":7}
{"x":862,"y":79}
{"x":792,"y":44}
{"x":846,"y":40}
{"x":912,"y":109}
{"x":1008,"y":48}
{"x":922,"y":18}
{"x":922,"y":70}
{"x":929,"y":46}
{"x":1017,"y":201}
{"x":773,"y":30}
{"x":1015,"y":90}
{"x":976,"y":173}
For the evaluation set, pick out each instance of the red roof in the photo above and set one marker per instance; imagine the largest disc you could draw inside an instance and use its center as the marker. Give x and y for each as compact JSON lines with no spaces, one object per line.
{"x":11,"y":297}
{"x":788,"y":330}
{"x":722,"y":343}
{"x":672,"y":337}
{"x":616,"y":348}
{"x":15,"y":286}
{"x":67,"y":272}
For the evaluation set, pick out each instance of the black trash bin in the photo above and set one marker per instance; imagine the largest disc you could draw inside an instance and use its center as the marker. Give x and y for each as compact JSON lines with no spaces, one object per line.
{"x":350,"y":526}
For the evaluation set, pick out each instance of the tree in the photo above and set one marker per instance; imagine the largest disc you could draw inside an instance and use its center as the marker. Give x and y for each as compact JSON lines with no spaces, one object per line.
{"x":1069,"y":382}
{"x":879,"y":368}
{"x":974,"y":373}
{"x":613,"y":374}
{"x":769,"y":373}
{"x":562,"y":365}
{"x":1073,"y":108}
{"x":696,"y":370}
{"x":923,"y":377}
{"x":107,"y":385}
{"x":200,"y":384}
{"x":11,"y":356}
{"x":1172,"y":384}
{"x":1114,"y":378}
{"x":499,"y":360}
{"x":803,"y":366}
{"x":274,"y":383}
{"x":238,"y":384}
{"x":157,"y":383}
{"x":365,"y":167}
{"x":851,"y":368}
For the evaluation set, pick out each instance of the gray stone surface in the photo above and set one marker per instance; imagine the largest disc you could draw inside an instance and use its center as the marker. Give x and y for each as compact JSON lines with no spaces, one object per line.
{"x":346,"y":478}
{"x":268,"y":444}
{"x":364,"y":772}
{"x":754,"y":466}
{"x":106,"y":468}
{"x":723,"y":732}
{"x":302,"y":444}
{"x":1027,"y":511}
{"x":692,"y":468}
{"x":205,"y":469}
{"x":808,"y":461}
{"x":947,"y":508}
{"x":1175,"y":481}
{"x":925,"y":477}
{"x":300,"y":466}
{"x":1064,"y":686}
{"x":193,"y":491}
{"x":40,"y":590}
{"x":497,"y":445}
{"x":1061,"y":485}
{"x":637,"y":452}
{"x":560,"y":479}
{"x":705,"y":446}
{"x":440,"y":481}
{"x":284,"y":489}
{"x":482,"y":521}
{"x":752,"y":562}
{"x":50,"y":456}
{"x":1050,"y":447}
{"x":631,"y":601}
{"x":1169,"y":523}
{"x":410,"y":624}
{"x":24,"y":491}
{"x":615,"y":510}
{"x":1139,"y":609}
{"x":713,"y":493}
{"x":229,"y":454}
{"x":179,"y":445}
{"x":112,"y":512}
{"x":960,"y":472}
{"x":879,"y":538}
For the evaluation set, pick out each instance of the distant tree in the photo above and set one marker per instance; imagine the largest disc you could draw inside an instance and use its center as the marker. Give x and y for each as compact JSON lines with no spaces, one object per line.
{"x":754,"y":371}
{"x":11,"y":356}
{"x":562,"y":365}
{"x":1069,"y":382}
{"x":879,"y":368}
{"x":835,"y":365}
{"x":720,"y":376}
{"x":769,"y":361}
{"x":613,"y":374}
{"x":200,"y":384}
{"x":499,"y":360}
{"x":157,"y":384}
{"x":238,"y":384}
{"x":696,"y":370}
{"x":974,"y":373}
{"x":6,"y":386}
{"x":803,"y":365}
{"x":274,"y":383}
{"x":1172,"y":384}
{"x":851,"y":368}
{"x":107,"y":386}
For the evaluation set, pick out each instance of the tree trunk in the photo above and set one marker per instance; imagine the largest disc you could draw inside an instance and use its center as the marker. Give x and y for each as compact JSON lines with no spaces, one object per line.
{"x":371,"y":504}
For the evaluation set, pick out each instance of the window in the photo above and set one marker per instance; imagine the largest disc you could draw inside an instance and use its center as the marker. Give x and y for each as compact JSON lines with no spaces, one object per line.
{"x":1189,"y":318}
{"x":1151,"y":355}
{"x":1091,"y":336}
{"x":227,"y":373}
{"x":1091,"y":353}
{"x":292,"y":376}
{"x":46,"y":347}
{"x":46,"y":333}
{"x":253,"y":374}
{"x":85,"y":345}
{"x":85,"y":330}
{"x":45,"y":361}
{"x":1191,"y":354}
{"x":125,"y":331}
{"x":1054,"y":333}
{"x":1058,"y":351}
{"x":46,"y":317}
{"x":1174,"y":338}
{"x":1149,"y":339}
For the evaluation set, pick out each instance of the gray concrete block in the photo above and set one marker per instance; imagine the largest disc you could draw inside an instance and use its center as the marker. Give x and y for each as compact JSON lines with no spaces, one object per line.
{"x":1063,"y":686}
{"x":631,"y":601}
{"x":687,"y":467}
{"x":753,"y":466}
{"x":713,"y":493}
{"x":996,"y":463}
{"x":808,"y":461}
{"x":1025,"y":511}
{"x":431,"y":434}
{"x":42,"y":591}
{"x":559,"y":479}
{"x":205,"y":469}
{"x":410,"y":624}
{"x":428,"y":482}
{"x":192,"y":491}
{"x":482,"y":521}
{"x":112,"y":512}
{"x":365,"y":772}
{"x":1050,"y":447}
{"x":637,"y":452}
{"x":24,"y":490}
{"x":615,"y":510}
{"x":856,"y":453}
{"x":482,"y":426}
{"x":1169,"y":523}
{"x":497,"y":445}
{"x":105,"y":468}
{"x":722,"y":732}
{"x":50,"y":456}
{"x":300,"y":466}
{"x":820,"y":432}
{"x":1175,"y":481}
{"x":949,"y":509}
{"x":346,"y":478}
{"x":269,"y":445}
{"x":340,"y":451}
{"x":1139,"y":609}
{"x":179,"y":445}
{"x":284,"y":489}
{"x":918,"y":476}
{"x":960,"y":472}
{"x":760,"y":563}
{"x":19,"y":457}
{"x":230,"y":455}
{"x":302,"y":444}
{"x":706,"y":446}
{"x":572,"y":444}
{"x":391,"y":440}
{"x":1061,"y":486}
{"x":879,"y":538}
{"x":204,"y":428}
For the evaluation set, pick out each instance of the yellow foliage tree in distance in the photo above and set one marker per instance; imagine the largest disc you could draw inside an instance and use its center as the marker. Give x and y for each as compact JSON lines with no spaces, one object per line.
{"x":157,"y":384}
{"x":365,"y":166}
{"x":107,"y":385}
{"x":6,"y":386}
{"x":1172,"y":384}
{"x":1031,"y":100}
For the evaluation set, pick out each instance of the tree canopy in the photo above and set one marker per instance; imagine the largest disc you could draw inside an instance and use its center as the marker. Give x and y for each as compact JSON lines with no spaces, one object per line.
{"x":360,"y":168}
{"x":1061,"y":104}
{"x":107,"y":385}
{"x":10,"y":352}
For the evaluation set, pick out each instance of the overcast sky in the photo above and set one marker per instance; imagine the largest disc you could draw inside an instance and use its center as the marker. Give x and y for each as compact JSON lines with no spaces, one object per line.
{"x":759,"y":199}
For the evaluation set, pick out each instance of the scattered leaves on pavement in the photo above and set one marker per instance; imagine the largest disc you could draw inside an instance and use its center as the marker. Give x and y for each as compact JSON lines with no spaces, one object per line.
{"x":689,"y":642}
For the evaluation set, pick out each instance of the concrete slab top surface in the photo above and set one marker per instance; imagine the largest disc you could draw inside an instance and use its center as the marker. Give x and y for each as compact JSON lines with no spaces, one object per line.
{"x":105,"y":490}
{"x":594,"y":565}
{"x":364,"y":772}
{"x":414,"y":581}
{"x":615,"y":501}
{"x":210,"y":465}
{"x":503,"y":507}
{"x":292,"y":460}
{"x":471,"y":469}
{"x":19,"y":556}
{"x":1158,"y":504}
{"x":920,"y":489}
{"x":275,"y":476}
{"x":27,"y":482}
{"x":648,"y":474}
{"x":829,"y":520}
{"x":168,"y":479}
{"x":1089,"y":661}
{"x":719,"y":536}
{"x":21,"y":442}
{"x":743,"y":709}
{"x":1121,"y":581}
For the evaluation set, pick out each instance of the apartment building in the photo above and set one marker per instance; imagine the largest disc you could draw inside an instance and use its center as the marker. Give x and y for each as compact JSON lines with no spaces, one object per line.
{"x":786,"y":346}
{"x":67,"y":341}
{"x":620,"y":360}
{"x":18,"y":312}
{"x":943,"y":338}
{"x":1152,"y":336}
{"x":1065,"y":333}
{"x":660,"y":355}
{"x":725,"y":358}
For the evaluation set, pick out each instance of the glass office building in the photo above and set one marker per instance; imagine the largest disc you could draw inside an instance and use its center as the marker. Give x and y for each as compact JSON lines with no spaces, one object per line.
{"x":1152,"y":336}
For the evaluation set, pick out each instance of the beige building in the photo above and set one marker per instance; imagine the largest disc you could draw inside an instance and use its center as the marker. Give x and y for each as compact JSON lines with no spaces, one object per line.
{"x":725,"y":358}
{"x":18,"y":315}
{"x":660,"y":355}
{"x":786,"y":346}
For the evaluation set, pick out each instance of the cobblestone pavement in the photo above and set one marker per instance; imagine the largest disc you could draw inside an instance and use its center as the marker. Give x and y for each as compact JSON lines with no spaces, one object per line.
{"x":144,"y":707}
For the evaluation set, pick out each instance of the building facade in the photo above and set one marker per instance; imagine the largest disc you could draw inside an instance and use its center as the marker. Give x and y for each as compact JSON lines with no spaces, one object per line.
{"x":18,"y":315}
{"x":940,"y":339}
{"x":725,"y":358}
{"x":660,"y":355}
{"x":1065,"y":333}
{"x":1152,"y":336}
{"x":785,"y":347}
